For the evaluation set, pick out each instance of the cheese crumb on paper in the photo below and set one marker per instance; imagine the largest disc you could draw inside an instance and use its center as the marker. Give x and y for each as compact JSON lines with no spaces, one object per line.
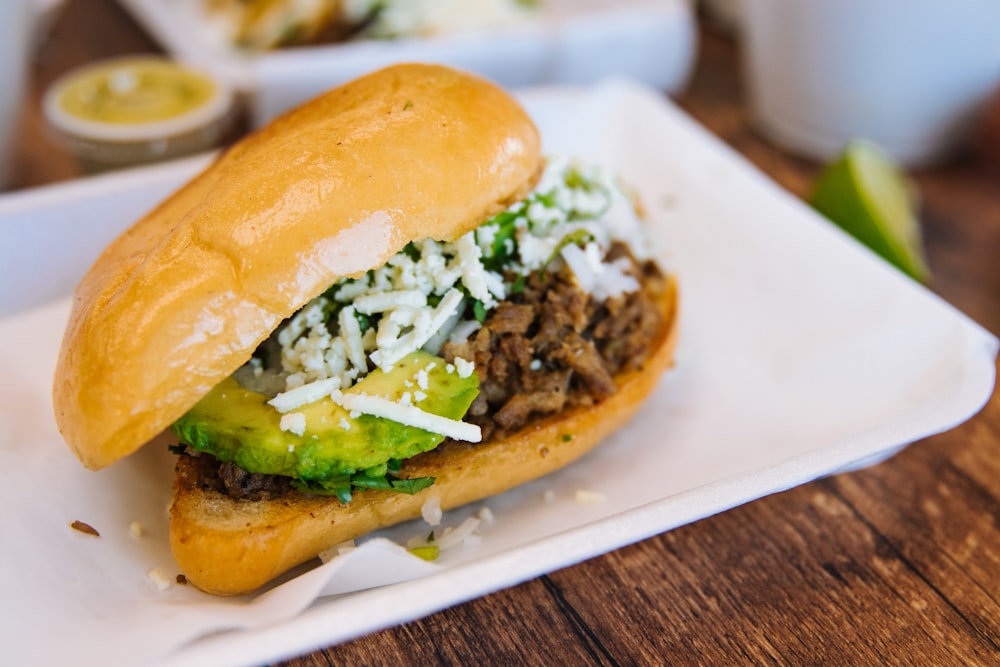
{"x":159,"y":579}
{"x":583,"y":497}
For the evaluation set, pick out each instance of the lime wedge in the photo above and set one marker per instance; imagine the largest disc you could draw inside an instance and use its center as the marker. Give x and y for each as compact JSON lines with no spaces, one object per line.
{"x":870,"y":197}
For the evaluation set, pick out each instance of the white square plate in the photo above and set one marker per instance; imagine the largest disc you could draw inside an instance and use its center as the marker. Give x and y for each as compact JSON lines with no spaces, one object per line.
{"x":801,"y":355}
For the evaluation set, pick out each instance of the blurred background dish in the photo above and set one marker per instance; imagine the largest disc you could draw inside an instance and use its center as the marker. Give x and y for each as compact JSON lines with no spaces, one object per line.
{"x":262,"y":25}
{"x":509,"y":41}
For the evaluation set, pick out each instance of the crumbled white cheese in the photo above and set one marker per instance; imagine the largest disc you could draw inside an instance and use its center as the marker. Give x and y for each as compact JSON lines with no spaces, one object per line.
{"x":421,"y":378}
{"x":411,"y":416}
{"x":159,"y":579}
{"x":583,"y":497}
{"x":485,"y":236}
{"x":535,"y":251}
{"x":464,"y":367}
{"x":602,"y":279}
{"x":495,"y":284}
{"x":466,"y":534}
{"x":293,"y":422}
{"x":424,"y":327}
{"x":308,"y":317}
{"x":473,"y":272}
{"x":458,"y":535}
{"x":351,"y":289}
{"x":304,"y":395}
{"x":383,"y":301}
{"x":431,"y":510}
{"x":338,"y":549}
{"x":350,"y":332}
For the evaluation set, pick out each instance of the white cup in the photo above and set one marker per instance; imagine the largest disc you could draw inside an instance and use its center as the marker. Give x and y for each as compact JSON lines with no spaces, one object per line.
{"x":909,"y":75}
{"x":15,"y":38}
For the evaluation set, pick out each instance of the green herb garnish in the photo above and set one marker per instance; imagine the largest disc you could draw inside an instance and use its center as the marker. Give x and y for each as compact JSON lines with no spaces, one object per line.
{"x":518,"y":285}
{"x":429,"y":552}
{"x":479,"y":310}
{"x":343,"y":486}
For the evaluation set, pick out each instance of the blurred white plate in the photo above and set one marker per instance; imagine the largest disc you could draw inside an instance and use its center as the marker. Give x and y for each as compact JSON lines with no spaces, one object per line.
{"x":570,"y":41}
{"x":801,"y":354}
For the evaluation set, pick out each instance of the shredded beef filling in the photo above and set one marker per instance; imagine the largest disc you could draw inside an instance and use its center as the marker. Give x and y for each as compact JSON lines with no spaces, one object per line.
{"x":552,"y":346}
{"x":235,"y":482}
{"x":549,"y":347}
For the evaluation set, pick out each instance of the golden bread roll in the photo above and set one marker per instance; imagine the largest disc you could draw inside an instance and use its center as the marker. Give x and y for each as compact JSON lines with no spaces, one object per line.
{"x":329,"y":190}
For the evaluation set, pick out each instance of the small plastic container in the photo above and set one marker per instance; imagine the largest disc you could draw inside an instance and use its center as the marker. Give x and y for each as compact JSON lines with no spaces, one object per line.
{"x":137,"y":110}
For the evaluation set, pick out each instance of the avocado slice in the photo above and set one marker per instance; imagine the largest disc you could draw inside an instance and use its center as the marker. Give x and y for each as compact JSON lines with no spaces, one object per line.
{"x":236,"y":424}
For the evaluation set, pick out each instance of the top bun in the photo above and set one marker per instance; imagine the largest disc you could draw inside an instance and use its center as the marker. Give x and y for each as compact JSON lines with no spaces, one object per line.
{"x":329,"y":190}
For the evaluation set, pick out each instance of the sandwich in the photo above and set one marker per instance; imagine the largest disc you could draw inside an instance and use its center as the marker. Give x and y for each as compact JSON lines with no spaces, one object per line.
{"x":385,"y":297}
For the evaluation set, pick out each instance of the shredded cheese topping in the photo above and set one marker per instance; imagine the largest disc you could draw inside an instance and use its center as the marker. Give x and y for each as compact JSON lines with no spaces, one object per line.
{"x":433,"y":292}
{"x":411,"y":416}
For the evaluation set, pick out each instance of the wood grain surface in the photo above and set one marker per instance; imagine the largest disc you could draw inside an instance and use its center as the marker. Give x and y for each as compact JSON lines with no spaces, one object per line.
{"x":896,"y":564}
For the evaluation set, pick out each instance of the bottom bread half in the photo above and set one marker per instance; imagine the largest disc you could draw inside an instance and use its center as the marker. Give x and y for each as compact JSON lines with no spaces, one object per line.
{"x":230,"y":547}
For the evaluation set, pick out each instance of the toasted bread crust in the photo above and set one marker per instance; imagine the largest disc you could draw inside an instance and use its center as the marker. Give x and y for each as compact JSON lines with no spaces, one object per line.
{"x":329,"y":190}
{"x":230,"y":547}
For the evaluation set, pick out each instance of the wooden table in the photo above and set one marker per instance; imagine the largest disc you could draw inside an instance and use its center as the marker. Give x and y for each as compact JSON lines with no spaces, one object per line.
{"x":896,"y":564}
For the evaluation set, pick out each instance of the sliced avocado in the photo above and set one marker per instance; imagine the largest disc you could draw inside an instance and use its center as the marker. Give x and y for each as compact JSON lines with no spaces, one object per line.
{"x":236,"y":424}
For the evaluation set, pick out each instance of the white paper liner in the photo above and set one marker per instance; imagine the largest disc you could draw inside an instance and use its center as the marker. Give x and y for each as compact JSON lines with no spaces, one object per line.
{"x":801,"y":355}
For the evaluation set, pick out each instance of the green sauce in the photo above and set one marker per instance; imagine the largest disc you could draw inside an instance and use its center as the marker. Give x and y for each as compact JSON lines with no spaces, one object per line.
{"x":140,"y":91}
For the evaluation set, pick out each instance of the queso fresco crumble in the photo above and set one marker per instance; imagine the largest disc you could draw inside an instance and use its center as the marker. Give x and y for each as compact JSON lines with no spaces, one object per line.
{"x":432,"y":292}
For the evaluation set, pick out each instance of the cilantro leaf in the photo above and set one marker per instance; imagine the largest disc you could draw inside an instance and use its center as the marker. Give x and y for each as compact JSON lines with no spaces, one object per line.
{"x":344,"y":484}
{"x":412,"y":251}
{"x":518,"y":285}
{"x":479,"y":310}
{"x":412,"y":485}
